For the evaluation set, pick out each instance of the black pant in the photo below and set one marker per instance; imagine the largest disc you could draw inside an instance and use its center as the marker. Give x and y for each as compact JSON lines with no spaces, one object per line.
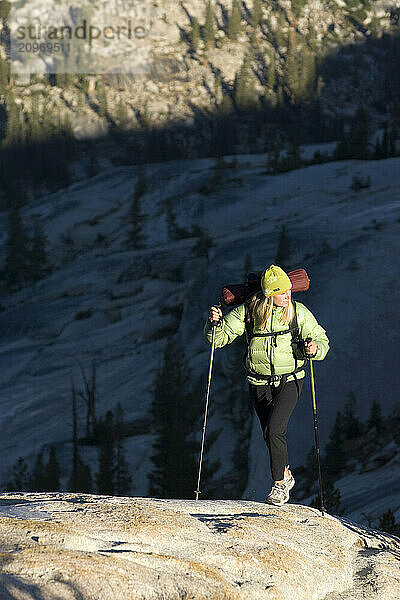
{"x":274,"y":405}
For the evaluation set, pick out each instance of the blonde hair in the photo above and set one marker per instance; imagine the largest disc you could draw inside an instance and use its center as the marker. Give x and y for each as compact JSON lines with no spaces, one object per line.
{"x":261,"y":308}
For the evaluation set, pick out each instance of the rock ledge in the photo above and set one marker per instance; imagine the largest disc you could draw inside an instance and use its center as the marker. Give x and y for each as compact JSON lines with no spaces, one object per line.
{"x":73,"y":546}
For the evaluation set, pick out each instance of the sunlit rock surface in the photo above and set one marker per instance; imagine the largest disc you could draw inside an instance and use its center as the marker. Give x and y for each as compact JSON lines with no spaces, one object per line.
{"x":72,"y":546}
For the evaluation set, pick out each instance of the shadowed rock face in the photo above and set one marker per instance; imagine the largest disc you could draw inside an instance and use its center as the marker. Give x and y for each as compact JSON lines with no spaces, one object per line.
{"x":73,"y":546}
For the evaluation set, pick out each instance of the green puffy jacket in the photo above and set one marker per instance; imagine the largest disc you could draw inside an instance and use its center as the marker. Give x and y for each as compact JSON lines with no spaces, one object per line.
{"x":266,"y":351}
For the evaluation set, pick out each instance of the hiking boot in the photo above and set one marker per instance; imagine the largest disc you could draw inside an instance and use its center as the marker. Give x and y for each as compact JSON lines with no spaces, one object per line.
{"x":289,"y":482}
{"x":279,"y":493}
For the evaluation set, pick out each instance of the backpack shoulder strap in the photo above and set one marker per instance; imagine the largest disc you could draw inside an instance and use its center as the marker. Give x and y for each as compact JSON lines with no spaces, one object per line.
{"x":248,"y":321}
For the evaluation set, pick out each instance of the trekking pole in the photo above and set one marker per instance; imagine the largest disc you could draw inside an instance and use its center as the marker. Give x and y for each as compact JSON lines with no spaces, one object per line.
{"x":214,"y":324}
{"x":314,"y":403}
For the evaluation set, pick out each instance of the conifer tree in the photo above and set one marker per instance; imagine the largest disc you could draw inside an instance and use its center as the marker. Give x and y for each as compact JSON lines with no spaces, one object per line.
{"x":17,"y":249}
{"x":294,"y":151}
{"x":234,"y":22}
{"x":351,"y":426}
{"x":387,"y":522}
{"x":218,"y":92}
{"x":14,"y":134}
{"x":297,"y":7}
{"x":123,"y":479}
{"x":248,"y":265}
{"x":102,"y":102}
{"x":38,"y":262}
{"x":284,"y":251}
{"x":244,"y":91}
{"x":332,"y":499}
{"x":105,"y":478}
{"x":52,"y":472}
{"x":38,"y":477}
{"x":122,"y":116}
{"x":93,"y":163}
{"x":225,"y":108}
{"x":5,"y":7}
{"x":209,"y":27}
{"x":375,"y":418}
{"x":4,"y":74}
{"x":360,"y":134}
{"x":20,"y":479}
{"x":175,"y":414}
{"x":256,"y":13}
{"x":334,"y":458}
{"x":271,"y":74}
{"x":274,"y":154}
{"x":203,"y":244}
{"x":195,"y":35}
{"x":292,"y":69}
{"x":81,"y":478}
{"x":136,"y":218}
{"x":392,"y":141}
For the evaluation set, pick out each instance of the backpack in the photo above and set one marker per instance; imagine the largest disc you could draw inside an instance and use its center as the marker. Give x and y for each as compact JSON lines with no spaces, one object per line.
{"x":236,"y":294}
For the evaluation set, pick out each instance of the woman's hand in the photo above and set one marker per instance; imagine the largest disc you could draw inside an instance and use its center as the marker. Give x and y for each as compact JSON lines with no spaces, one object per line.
{"x":215,"y":314}
{"x":310,"y":347}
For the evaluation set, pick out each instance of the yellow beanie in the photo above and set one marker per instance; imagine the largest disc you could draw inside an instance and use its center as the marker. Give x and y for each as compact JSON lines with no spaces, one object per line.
{"x":275,"y":281}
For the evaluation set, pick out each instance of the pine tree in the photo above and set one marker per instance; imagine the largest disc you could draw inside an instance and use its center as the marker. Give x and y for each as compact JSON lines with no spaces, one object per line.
{"x":5,"y":7}
{"x":392,"y":141}
{"x":4,"y":75}
{"x":93,"y":164}
{"x":308,"y":75}
{"x":256,"y":13}
{"x":342,"y":150}
{"x":14,"y":134}
{"x":244,"y":91}
{"x":38,"y":477}
{"x":297,"y":7}
{"x":17,"y":249}
{"x":123,"y":479}
{"x":294,"y":151}
{"x":102,"y":103}
{"x":105,"y":478}
{"x":351,"y":425}
{"x":274,"y":154}
{"x":299,"y":72}
{"x":334,"y":459}
{"x":175,"y":414}
{"x":81,"y":478}
{"x":136,"y":217}
{"x":38,"y":262}
{"x":209,"y":27}
{"x":225,"y":108}
{"x":284,"y":251}
{"x":20,"y":480}
{"x":52,"y":472}
{"x":195,"y":35}
{"x":387,"y":522}
{"x":360,"y":134}
{"x":291,"y":75}
{"x":332,"y":499}
{"x":122,"y":116}
{"x":218,"y":91}
{"x":375,"y":418}
{"x":234,"y":22}
{"x":271,"y":74}
{"x":203,"y":244}
{"x":248,"y":265}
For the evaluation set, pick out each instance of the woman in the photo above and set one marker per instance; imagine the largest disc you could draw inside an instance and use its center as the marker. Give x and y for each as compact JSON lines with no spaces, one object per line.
{"x":281,"y":335}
